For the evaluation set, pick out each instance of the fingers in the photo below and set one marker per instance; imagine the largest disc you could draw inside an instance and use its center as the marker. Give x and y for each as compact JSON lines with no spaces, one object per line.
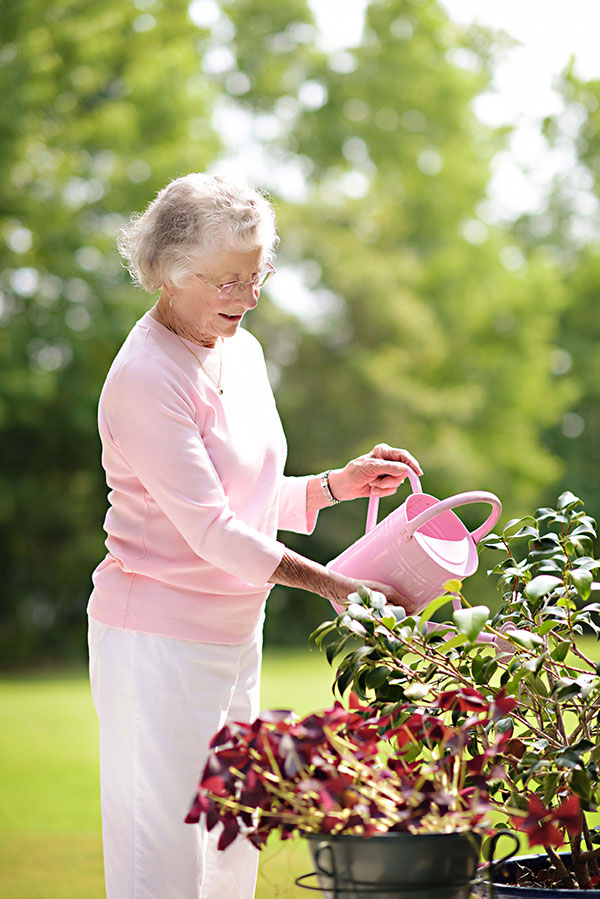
{"x":383,"y":451}
{"x":391,"y":594}
{"x":382,"y":469}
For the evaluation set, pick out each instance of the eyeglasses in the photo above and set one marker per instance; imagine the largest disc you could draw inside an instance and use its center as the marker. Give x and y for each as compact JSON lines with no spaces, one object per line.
{"x":237,"y":288}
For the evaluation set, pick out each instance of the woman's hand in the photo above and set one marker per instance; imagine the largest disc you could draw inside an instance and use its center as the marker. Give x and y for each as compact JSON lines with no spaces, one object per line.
{"x":295,"y":570}
{"x":381,"y":472}
{"x":392,"y":596}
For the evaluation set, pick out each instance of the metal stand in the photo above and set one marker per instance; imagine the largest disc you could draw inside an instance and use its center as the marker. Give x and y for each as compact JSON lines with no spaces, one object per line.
{"x":360,"y":886}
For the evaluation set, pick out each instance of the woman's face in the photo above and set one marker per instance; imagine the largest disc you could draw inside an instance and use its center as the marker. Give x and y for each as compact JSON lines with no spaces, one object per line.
{"x":200,"y":305}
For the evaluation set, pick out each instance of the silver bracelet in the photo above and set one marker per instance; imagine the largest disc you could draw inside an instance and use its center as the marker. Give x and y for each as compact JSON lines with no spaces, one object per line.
{"x":326,"y":488}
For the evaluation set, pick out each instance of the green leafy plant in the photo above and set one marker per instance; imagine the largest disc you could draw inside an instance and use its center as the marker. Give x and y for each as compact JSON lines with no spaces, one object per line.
{"x":546,"y":779}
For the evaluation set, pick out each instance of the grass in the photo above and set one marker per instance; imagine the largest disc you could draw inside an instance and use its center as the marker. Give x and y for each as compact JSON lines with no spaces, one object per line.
{"x":50,"y":844}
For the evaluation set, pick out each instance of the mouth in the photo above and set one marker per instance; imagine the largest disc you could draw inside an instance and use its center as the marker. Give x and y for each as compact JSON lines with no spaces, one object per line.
{"x":232,"y":318}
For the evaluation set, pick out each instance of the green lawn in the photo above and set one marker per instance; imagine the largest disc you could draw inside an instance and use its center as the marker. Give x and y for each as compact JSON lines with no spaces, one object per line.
{"x":50,"y":846}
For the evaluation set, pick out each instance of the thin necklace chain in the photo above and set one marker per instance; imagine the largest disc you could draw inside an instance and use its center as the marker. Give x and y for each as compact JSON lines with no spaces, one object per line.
{"x":217,"y":382}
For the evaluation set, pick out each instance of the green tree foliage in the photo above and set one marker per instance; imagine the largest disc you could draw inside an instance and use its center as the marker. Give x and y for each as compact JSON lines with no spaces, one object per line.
{"x":438,"y":338}
{"x":432,"y":330}
{"x":102,"y":103}
{"x":570,"y":226}
{"x":436,"y":332}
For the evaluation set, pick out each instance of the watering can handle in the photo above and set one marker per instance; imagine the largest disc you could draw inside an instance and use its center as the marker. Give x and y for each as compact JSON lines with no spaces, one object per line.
{"x":460,"y":499}
{"x":373,"y":506}
{"x":452,"y":502}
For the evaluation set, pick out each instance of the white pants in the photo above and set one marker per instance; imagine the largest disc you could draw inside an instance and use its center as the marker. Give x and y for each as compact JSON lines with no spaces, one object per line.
{"x":159,"y":701}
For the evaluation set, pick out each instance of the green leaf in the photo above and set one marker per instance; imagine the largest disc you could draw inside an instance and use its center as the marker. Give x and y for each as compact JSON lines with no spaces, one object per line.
{"x":583,"y":746}
{"x":580,"y":783}
{"x":544,"y":513}
{"x":524,"y":638}
{"x":471,"y":621}
{"x":516,"y":800}
{"x":515,"y":525}
{"x":319,"y":633}
{"x":567,"y":500}
{"x":587,"y":683}
{"x":455,"y":642}
{"x":568,"y":759}
{"x":559,"y":653}
{"x":551,"y":782}
{"x":398,"y":612}
{"x":541,"y":586}
{"x":490,"y":669}
{"x":582,"y":578}
{"x":527,"y":531}
{"x":537,"y":684}
{"x":416,"y":691}
{"x":493,"y":541}
{"x":377,"y":676}
{"x":343,"y":680}
{"x":453,"y":586}
{"x":534,"y":665}
{"x":565,"y":688}
{"x":504,"y":725}
{"x":331,"y":650}
{"x":358,"y":612}
{"x":435,"y":604}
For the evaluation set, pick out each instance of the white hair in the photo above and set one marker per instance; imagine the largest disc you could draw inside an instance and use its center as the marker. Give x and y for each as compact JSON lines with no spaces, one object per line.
{"x":196,"y":215}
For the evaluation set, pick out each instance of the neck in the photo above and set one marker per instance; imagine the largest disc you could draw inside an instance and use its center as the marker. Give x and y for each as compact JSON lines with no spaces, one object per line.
{"x":168,"y":317}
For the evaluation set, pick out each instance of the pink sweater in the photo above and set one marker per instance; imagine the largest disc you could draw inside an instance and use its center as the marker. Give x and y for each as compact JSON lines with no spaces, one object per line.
{"x":197,"y":491}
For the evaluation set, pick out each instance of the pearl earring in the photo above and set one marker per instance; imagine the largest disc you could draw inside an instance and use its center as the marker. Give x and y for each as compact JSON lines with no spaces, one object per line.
{"x":170,"y":302}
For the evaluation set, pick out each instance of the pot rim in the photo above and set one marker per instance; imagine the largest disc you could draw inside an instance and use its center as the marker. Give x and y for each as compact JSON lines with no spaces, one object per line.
{"x":528,"y":890}
{"x":317,"y":835}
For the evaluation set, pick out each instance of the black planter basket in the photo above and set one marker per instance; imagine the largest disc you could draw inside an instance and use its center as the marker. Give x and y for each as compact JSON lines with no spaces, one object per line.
{"x":504,"y":872}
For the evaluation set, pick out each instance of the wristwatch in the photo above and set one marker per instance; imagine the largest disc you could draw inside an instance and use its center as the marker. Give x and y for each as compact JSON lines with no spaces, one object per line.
{"x":326,"y":488}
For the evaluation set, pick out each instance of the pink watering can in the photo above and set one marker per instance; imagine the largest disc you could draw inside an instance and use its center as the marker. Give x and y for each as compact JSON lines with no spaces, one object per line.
{"x":420,"y":546}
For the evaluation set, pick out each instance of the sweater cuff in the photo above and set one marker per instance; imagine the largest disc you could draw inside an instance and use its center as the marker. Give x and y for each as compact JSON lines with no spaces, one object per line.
{"x":293,"y":506}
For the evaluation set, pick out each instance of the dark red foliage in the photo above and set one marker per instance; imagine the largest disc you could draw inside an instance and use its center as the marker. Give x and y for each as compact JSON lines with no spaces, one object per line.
{"x":328,"y":765}
{"x":465,"y":699}
{"x":545,"y":827}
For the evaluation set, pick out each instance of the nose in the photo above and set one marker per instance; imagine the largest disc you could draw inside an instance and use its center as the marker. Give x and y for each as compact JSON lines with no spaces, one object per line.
{"x":252,"y":300}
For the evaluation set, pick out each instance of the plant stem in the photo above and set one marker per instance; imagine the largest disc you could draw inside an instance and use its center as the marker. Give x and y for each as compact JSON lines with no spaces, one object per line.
{"x":594,"y":868}
{"x":565,"y":876}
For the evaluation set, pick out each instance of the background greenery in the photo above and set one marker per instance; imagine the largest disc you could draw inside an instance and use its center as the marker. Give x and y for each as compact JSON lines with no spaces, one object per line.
{"x":50,"y":843}
{"x":475,"y":345}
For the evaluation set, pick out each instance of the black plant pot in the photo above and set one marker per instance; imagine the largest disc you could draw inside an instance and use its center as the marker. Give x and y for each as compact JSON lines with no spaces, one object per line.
{"x":392,"y":865}
{"x":505,"y":872}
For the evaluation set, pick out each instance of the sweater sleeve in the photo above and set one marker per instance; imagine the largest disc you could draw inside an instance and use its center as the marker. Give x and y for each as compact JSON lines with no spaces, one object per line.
{"x":154,"y":424}
{"x":293,"y":512}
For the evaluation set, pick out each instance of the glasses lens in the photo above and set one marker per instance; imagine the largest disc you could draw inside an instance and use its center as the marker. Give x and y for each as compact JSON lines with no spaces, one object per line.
{"x":264,"y":276}
{"x":227,"y":289}
{"x":237,"y":288}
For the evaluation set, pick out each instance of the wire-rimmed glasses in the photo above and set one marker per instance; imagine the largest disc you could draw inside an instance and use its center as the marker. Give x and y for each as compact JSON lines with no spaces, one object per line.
{"x":237,"y":288}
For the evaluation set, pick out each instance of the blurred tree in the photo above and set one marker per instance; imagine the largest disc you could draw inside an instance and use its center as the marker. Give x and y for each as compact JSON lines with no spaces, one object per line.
{"x":102,"y":103}
{"x":568,"y":226}
{"x":432,"y":330}
{"x":420,"y":325}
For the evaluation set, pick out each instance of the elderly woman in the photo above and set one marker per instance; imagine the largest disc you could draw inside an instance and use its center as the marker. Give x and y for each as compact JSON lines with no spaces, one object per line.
{"x":194,"y":454}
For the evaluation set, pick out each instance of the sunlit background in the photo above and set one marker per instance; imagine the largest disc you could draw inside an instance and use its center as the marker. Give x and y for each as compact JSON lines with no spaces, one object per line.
{"x":435,"y":170}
